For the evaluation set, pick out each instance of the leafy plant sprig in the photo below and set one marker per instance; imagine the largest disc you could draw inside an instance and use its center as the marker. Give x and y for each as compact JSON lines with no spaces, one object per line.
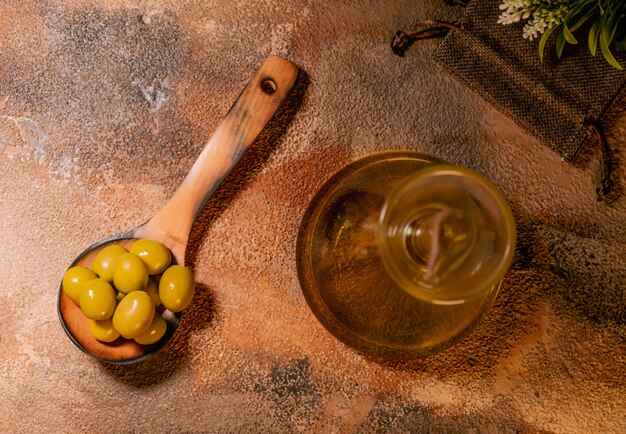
{"x":565,"y":17}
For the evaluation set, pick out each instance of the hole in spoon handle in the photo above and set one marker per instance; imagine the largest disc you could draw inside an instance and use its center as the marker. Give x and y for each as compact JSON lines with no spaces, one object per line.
{"x":268,"y":86}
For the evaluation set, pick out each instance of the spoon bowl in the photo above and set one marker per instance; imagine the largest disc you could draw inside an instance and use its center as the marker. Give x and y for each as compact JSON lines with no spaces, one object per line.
{"x":256,"y":105}
{"x":76,"y":324}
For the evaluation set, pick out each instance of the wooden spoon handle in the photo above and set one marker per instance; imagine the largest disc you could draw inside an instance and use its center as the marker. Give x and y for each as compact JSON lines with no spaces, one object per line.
{"x":256,"y":105}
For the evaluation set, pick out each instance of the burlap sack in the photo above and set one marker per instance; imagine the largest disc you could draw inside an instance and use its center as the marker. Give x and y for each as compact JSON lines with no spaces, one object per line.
{"x":559,"y":101}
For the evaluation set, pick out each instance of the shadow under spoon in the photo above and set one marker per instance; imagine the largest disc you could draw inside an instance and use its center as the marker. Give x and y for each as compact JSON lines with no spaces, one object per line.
{"x":252,"y":110}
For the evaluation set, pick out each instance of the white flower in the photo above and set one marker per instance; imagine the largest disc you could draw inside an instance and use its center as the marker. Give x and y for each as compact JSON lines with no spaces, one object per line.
{"x":538,"y":14}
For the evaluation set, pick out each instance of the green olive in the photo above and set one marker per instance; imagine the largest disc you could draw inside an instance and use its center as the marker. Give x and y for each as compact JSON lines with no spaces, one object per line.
{"x":133,"y":314}
{"x":154,"y":333}
{"x":153,"y":291}
{"x":176,"y":288}
{"x":97,"y":299}
{"x":104,"y":261}
{"x":130,"y":273}
{"x":156,"y":256}
{"x":73,"y":280}
{"x":103,"y":330}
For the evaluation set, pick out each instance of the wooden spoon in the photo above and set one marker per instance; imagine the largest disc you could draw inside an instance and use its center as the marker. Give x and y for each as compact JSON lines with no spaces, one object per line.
{"x":256,"y":105}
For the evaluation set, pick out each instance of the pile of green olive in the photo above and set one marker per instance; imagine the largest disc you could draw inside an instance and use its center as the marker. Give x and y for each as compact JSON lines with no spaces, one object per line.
{"x":121,"y":292}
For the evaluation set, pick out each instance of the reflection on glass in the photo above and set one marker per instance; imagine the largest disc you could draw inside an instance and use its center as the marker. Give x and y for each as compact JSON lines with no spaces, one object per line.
{"x":400,"y":255}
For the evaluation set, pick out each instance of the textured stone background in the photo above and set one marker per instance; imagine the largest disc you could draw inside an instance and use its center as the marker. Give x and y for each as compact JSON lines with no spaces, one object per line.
{"x":104,"y":106}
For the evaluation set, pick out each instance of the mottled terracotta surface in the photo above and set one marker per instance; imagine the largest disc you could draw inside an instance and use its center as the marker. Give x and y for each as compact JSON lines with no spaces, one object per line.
{"x":105,"y":104}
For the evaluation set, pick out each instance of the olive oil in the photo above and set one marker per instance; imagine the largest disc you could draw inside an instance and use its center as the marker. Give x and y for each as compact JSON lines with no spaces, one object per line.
{"x":386,"y":266}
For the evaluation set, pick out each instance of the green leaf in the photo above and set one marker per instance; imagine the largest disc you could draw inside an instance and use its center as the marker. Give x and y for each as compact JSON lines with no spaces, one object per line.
{"x":619,"y":42}
{"x":585,"y":12}
{"x":611,"y":27}
{"x":568,"y":35}
{"x":544,"y":40}
{"x":560,"y":44}
{"x":580,"y":22}
{"x":594,"y":34}
{"x":606,"y":51}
